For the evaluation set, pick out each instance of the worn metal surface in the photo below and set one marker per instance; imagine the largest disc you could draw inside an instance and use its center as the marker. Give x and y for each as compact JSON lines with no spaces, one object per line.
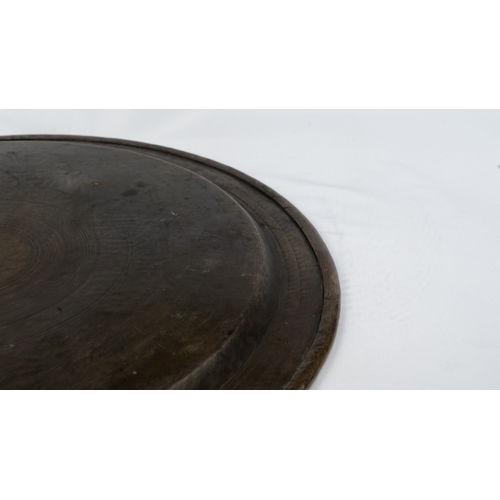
{"x":130,"y":266}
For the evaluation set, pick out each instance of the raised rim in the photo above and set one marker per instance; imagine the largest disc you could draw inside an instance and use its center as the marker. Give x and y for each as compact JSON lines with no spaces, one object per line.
{"x":313,"y":360}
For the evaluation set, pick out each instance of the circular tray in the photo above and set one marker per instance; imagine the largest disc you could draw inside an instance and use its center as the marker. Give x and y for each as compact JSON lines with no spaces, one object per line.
{"x":131,"y":266}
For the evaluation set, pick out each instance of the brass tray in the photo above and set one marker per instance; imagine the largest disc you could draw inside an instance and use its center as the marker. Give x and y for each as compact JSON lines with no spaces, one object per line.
{"x":131,"y":266}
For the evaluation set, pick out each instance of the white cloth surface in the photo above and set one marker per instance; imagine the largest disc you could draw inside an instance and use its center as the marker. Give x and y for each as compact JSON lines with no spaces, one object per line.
{"x":406,"y":201}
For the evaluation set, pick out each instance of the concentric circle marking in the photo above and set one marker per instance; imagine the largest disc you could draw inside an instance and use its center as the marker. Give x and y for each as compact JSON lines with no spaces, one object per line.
{"x":15,"y":255}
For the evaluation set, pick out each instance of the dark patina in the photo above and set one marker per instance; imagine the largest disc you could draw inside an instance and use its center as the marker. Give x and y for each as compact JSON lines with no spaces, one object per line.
{"x":130,"y":266}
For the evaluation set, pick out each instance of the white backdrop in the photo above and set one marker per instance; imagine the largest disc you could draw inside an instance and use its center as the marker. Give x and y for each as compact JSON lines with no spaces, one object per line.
{"x":407,"y":202}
